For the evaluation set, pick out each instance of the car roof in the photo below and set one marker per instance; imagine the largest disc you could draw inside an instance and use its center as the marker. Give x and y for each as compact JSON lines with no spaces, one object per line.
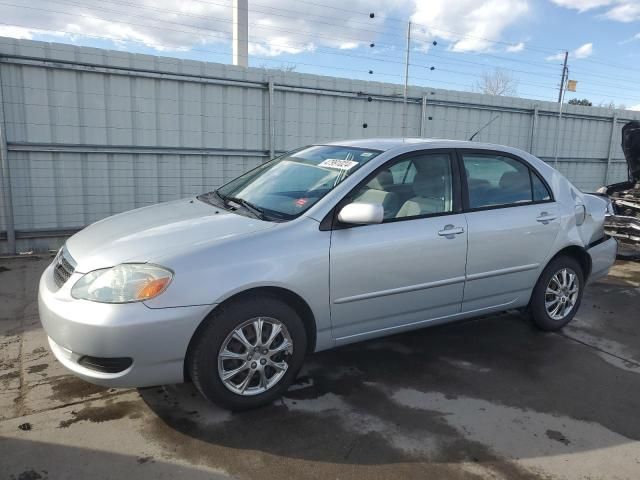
{"x":386,"y":144}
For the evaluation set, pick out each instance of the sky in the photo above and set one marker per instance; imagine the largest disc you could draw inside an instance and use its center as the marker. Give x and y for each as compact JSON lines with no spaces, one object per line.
{"x":454,"y":42}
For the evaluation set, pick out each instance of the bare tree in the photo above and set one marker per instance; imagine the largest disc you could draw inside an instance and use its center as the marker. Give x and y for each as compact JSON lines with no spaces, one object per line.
{"x":611,"y":105}
{"x":498,"y":82}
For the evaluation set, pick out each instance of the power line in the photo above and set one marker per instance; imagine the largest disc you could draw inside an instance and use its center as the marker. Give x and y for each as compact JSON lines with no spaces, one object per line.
{"x":404,"y":21}
{"x":268,"y":44}
{"x":445,"y":83}
{"x":500,"y":57}
{"x":225,"y":20}
{"x":190,"y":26}
{"x":292,"y":46}
{"x":221,"y":35}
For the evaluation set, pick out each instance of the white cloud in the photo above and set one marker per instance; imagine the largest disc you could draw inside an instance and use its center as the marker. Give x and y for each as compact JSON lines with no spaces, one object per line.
{"x":160,"y":24}
{"x":15,"y":32}
{"x":515,"y":48}
{"x":468,"y":24}
{"x":284,"y":26}
{"x":281,"y":27}
{"x":617,"y":10}
{"x":624,"y":12}
{"x":635,"y":107}
{"x":583,"y":51}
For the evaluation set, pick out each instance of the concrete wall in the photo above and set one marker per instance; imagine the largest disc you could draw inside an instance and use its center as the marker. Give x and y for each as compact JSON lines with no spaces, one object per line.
{"x":92,"y":132}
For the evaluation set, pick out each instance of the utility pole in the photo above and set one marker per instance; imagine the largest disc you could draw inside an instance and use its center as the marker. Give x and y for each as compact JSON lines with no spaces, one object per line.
{"x":564,"y":73}
{"x":240,"y":33}
{"x":563,"y":80}
{"x":406,"y":79}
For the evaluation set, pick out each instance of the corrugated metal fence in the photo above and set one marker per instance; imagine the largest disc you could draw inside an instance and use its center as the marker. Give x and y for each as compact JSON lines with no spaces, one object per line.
{"x":86,"y":133}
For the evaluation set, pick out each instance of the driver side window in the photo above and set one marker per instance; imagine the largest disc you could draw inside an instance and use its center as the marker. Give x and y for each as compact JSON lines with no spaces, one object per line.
{"x":412,"y":187}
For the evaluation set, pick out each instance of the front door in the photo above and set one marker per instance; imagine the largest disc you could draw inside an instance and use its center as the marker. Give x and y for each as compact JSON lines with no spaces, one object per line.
{"x":409,"y":269}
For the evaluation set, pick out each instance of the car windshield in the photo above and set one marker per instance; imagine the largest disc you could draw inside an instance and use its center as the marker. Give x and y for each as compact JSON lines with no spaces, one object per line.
{"x":285,"y":187}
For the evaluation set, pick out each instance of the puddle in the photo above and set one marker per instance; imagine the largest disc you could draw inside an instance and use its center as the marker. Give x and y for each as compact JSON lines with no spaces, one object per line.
{"x":106,"y":413}
{"x":67,"y":389}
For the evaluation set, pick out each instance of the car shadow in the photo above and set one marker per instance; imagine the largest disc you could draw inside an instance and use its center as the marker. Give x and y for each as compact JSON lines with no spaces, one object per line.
{"x":33,"y":460}
{"x":479,"y":391}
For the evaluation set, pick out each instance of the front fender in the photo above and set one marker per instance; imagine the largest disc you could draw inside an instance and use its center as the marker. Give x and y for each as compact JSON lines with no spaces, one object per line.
{"x":293,"y":256}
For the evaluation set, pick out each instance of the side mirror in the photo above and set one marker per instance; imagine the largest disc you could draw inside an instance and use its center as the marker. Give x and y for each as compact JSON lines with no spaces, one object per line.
{"x":361,"y":213}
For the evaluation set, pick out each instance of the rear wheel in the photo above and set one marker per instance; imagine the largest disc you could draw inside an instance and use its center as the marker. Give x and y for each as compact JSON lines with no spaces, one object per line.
{"x":248,"y":353}
{"x":557,"y":294}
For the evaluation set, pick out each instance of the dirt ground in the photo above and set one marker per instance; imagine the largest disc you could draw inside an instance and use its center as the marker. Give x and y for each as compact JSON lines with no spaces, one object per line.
{"x":488,"y":398}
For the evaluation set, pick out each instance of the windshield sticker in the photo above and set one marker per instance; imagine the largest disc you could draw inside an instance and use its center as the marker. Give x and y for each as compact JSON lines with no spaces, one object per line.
{"x":366,"y":154}
{"x":339,"y":164}
{"x":301,"y":202}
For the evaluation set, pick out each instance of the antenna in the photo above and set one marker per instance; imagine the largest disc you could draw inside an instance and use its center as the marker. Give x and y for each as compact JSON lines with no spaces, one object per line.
{"x":483,"y":127}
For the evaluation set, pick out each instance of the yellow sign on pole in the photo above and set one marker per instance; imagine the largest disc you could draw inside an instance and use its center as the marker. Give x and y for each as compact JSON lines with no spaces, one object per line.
{"x":571,"y":85}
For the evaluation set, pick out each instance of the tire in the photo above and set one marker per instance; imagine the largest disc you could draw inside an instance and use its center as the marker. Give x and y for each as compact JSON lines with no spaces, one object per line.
{"x":206,"y":366}
{"x":542,"y":305}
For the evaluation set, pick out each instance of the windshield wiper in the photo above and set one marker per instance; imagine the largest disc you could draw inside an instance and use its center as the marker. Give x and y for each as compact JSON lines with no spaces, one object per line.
{"x":254,"y":209}
{"x":212,"y":198}
{"x":221,"y":198}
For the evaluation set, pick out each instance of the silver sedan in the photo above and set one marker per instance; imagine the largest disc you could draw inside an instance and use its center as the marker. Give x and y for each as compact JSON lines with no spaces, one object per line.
{"x":324,"y":246}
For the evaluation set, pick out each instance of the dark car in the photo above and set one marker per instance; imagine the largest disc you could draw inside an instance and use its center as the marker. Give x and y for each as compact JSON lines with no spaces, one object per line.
{"x":624,"y":223}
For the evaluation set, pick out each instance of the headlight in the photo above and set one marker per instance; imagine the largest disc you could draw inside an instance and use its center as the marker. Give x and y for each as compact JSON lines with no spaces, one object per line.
{"x":124,"y":283}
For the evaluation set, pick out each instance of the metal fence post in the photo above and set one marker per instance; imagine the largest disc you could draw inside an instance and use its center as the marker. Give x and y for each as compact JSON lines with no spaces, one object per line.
{"x":534,"y":126}
{"x":272,"y":120}
{"x":5,"y":179}
{"x":614,"y":122}
{"x":423,"y":116}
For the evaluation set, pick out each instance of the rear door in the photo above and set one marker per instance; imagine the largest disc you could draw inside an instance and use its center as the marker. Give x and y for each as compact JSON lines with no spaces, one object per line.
{"x":512,"y":222}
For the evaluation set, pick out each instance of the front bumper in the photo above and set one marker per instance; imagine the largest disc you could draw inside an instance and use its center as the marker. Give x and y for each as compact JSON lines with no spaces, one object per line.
{"x":156,"y":339}
{"x":603,"y":256}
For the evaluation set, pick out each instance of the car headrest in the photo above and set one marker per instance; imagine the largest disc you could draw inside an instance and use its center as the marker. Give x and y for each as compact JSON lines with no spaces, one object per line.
{"x":428,"y":184}
{"x":514,"y":180}
{"x":382,"y":180}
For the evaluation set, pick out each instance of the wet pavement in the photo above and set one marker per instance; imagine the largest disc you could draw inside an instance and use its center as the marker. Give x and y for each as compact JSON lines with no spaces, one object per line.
{"x":488,"y":398}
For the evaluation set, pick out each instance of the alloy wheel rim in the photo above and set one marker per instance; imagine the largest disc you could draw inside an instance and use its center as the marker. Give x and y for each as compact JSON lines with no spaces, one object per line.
{"x":561,"y":294}
{"x":254,"y":357}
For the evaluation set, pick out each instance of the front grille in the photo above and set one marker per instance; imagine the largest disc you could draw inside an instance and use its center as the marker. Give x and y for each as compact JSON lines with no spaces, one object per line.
{"x":64,"y":266}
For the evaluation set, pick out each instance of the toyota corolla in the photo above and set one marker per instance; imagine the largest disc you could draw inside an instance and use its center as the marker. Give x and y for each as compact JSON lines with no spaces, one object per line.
{"x":324,"y":246}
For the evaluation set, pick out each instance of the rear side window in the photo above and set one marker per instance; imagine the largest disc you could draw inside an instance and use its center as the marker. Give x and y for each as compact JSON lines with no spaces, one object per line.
{"x":540,"y":190}
{"x":494,"y":180}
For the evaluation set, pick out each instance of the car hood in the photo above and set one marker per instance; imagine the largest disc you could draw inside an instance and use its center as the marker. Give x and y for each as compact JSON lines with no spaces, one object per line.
{"x":631,"y":148}
{"x":147,"y":233}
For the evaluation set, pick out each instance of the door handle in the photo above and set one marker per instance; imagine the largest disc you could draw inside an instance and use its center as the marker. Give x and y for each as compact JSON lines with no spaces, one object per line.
{"x":545,"y":218}
{"x":450,"y":230}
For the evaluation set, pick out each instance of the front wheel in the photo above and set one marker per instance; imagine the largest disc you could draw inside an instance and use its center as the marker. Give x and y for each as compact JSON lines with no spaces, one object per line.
{"x":248,"y":353}
{"x":557,"y":294}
